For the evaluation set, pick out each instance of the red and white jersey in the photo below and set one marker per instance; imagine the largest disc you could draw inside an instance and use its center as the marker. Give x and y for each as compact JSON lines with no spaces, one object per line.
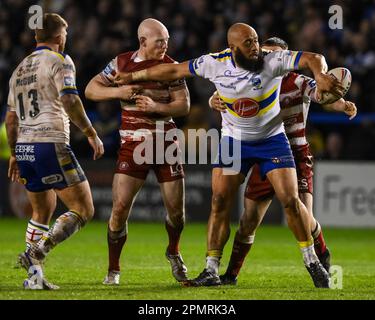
{"x":136,"y":124}
{"x":297,"y":92}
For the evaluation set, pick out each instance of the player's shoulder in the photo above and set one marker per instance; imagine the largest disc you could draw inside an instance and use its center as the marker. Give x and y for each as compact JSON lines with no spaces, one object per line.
{"x":221,"y":56}
{"x":54,"y":56}
{"x":277,"y":54}
{"x":125,"y":56}
{"x":123,"y":59}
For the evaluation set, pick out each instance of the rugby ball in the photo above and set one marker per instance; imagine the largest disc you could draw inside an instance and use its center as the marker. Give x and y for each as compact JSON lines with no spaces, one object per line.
{"x":344,"y":76}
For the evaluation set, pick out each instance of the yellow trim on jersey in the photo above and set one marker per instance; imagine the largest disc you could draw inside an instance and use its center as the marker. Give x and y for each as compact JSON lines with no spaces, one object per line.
{"x":232,"y":112}
{"x":267,"y":94}
{"x":65,"y":161}
{"x":221,"y":52}
{"x":269,"y":107}
{"x":226,"y":52}
{"x":224,"y":59}
{"x":57,"y":54}
{"x":257,"y":99}
{"x":71,"y":87}
{"x":71,"y":172}
{"x":294,"y":58}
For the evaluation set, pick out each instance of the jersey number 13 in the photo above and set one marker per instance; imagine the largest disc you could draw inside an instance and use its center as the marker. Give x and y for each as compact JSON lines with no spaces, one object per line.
{"x":33,"y":96}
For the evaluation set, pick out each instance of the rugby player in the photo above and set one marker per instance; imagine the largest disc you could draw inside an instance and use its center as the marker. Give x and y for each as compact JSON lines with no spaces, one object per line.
{"x":43,"y":97}
{"x":296,"y":93}
{"x":142,"y":107}
{"x":249,"y":83}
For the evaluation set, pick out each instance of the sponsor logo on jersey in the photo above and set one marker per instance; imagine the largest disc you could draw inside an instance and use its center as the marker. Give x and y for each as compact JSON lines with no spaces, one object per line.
{"x":124,"y":165}
{"x":228,"y":86}
{"x":68,"y":67}
{"x":69,"y":82}
{"x":176,"y":170}
{"x":54,"y":178}
{"x":246,"y":107}
{"x":109,"y":69}
{"x":25,"y":153}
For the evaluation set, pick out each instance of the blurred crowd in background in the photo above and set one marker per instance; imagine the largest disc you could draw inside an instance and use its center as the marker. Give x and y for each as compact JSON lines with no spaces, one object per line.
{"x":101,"y":29}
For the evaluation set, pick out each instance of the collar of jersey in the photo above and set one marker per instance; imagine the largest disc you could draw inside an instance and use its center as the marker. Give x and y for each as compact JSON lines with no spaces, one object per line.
{"x":61,"y":55}
{"x":42,"y":48}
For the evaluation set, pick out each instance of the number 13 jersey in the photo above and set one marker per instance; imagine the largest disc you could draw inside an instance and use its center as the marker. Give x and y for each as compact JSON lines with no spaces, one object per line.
{"x":35,"y":91}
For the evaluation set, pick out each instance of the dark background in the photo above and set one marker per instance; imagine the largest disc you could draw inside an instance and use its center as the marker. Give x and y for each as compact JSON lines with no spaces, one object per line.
{"x":101,"y":29}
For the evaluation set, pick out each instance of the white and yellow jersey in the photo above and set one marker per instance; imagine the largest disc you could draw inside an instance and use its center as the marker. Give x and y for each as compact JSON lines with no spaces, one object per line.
{"x":35,"y":89}
{"x":252,"y":99}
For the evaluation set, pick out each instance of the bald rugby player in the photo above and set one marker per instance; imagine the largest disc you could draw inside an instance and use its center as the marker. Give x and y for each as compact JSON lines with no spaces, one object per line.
{"x":144,"y":105}
{"x":248,"y":81}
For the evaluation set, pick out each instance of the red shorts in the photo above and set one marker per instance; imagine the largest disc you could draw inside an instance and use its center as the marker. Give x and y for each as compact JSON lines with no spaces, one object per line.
{"x":258,"y":189}
{"x":164,"y":172}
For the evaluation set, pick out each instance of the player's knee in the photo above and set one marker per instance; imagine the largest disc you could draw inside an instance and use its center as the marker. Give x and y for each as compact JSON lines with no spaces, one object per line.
{"x":85,"y":210}
{"x":119,"y":215}
{"x":121,"y":207}
{"x":175,"y":208}
{"x":218,"y":203}
{"x":88,"y":211}
{"x":293,"y":205}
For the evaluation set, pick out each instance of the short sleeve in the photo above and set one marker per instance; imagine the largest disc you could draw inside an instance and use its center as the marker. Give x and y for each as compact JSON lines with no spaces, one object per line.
{"x":308,"y":88}
{"x":109,"y":72}
{"x":204,"y":67}
{"x":279,"y":63}
{"x":64,"y":75}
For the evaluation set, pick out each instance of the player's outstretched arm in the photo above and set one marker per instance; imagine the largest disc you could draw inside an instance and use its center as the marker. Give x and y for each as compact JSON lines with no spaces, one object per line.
{"x":161,"y":72}
{"x":342,"y":105}
{"x":97,"y":90}
{"x":74,"y":108}
{"x":318,"y":66}
{"x":11,"y":124}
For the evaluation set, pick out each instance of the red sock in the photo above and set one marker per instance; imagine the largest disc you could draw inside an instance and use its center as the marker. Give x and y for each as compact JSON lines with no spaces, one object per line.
{"x":174,"y":238}
{"x":116,"y":240}
{"x":239,"y":253}
{"x":320,"y":244}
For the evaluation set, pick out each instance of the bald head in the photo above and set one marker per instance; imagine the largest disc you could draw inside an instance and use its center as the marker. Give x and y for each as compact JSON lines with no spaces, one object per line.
{"x":243,"y":41}
{"x":238,"y":32}
{"x":151,"y":27}
{"x":153,"y":39}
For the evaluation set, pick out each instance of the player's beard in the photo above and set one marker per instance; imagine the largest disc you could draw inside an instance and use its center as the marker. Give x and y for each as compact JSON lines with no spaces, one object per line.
{"x":252,"y":65}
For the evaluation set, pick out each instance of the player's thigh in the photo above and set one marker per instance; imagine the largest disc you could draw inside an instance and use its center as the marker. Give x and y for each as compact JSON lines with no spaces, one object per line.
{"x":43,"y":204}
{"x":173,"y":193}
{"x":284,"y":182}
{"x":224,"y":187}
{"x":78,"y":198}
{"x":124,"y":191}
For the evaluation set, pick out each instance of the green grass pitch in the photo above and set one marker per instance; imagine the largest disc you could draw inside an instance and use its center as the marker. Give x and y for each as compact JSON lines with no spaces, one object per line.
{"x":273,"y":269}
